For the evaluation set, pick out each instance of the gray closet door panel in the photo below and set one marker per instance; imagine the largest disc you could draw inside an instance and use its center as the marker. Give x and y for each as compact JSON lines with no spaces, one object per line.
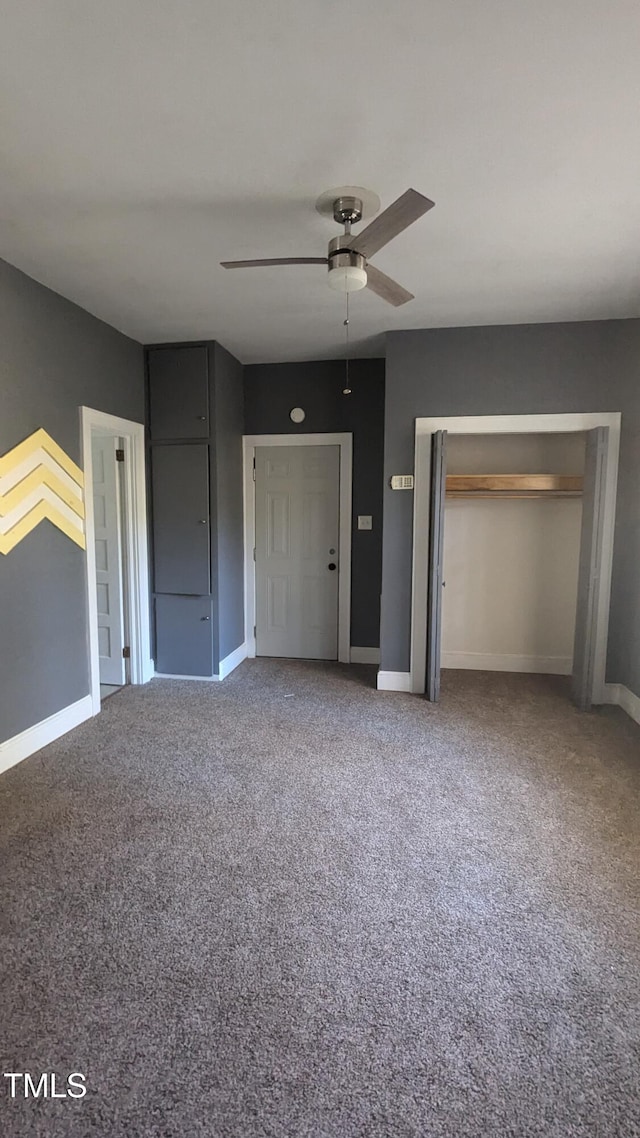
{"x":178,"y":393}
{"x":184,"y":645}
{"x":436,"y":551}
{"x":180,"y":492}
{"x":590,"y":567}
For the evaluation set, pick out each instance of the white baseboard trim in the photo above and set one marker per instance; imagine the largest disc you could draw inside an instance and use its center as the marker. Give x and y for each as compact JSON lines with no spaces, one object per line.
{"x":394,"y":681}
{"x":489,"y":662}
{"x":178,"y":676}
{"x":231,"y":661}
{"x":148,"y":671}
{"x":624,"y":698}
{"x":364,"y":655}
{"x":47,"y":731}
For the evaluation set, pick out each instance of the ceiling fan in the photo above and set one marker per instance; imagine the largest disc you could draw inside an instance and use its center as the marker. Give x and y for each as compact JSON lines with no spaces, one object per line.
{"x":348,"y":255}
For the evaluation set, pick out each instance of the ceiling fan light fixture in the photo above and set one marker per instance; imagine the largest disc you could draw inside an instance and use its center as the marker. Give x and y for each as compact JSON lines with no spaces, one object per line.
{"x":349,"y":253}
{"x":347,"y":278}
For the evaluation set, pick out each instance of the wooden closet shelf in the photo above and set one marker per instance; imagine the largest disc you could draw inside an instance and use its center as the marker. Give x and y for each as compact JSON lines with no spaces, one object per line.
{"x":513,"y":486}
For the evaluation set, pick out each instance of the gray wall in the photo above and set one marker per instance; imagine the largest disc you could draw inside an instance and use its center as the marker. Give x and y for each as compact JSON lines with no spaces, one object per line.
{"x":54,"y":357}
{"x":518,"y":369}
{"x":227,"y":503}
{"x":271,"y":390}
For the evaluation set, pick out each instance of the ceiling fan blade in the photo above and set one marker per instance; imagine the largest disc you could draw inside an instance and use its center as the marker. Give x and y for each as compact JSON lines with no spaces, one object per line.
{"x":408,"y":208}
{"x":274,"y":261}
{"x":386,"y":288}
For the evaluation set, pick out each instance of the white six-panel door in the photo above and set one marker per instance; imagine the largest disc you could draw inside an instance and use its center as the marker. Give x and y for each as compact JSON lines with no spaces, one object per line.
{"x":106,"y":512}
{"x":297,"y":546}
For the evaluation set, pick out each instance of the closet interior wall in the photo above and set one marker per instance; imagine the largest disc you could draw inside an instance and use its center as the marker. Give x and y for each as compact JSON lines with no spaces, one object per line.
{"x":511,"y":564}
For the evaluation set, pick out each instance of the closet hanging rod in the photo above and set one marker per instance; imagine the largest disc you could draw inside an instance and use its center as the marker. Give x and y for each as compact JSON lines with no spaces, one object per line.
{"x":496,"y":495}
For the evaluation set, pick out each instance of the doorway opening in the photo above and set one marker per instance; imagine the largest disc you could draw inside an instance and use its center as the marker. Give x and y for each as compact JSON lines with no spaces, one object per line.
{"x":513,"y":543}
{"x":117,"y":557}
{"x":297,"y":491}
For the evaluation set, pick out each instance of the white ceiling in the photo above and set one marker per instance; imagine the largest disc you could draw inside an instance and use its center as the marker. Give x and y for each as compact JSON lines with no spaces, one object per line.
{"x":144,"y":142}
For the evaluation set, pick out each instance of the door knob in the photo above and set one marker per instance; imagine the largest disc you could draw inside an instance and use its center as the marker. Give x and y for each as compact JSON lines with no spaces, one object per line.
{"x":203,"y":521}
{"x":332,"y":565}
{"x":205,"y":618}
{"x":202,"y":418}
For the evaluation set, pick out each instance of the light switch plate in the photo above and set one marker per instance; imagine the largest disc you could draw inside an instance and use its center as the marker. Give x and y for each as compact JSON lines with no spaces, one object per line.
{"x":365,"y":521}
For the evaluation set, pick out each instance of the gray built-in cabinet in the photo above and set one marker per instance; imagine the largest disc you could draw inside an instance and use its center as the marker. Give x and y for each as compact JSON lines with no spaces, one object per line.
{"x":191,"y":432}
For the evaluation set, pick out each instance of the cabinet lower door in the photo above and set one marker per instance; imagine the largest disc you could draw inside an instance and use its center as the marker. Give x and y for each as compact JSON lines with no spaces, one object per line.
{"x":184,"y":636}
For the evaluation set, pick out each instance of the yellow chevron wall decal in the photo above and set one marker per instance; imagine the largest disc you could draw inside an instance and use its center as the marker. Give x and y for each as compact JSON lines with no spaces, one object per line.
{"x":37,"y":481}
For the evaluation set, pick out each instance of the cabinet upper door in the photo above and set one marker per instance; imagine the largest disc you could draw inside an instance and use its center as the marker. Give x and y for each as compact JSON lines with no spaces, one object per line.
{"x":180,"y":494}
{"x":178,"y":393}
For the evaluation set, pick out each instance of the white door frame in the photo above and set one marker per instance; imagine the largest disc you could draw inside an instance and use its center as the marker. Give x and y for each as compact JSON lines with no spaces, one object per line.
{"x":134,"y":539}
{"x":494,"y":425}
{"x":345,"y":443}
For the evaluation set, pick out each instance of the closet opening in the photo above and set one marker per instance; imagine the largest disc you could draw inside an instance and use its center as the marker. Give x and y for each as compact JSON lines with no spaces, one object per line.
{"x":516,"y":548}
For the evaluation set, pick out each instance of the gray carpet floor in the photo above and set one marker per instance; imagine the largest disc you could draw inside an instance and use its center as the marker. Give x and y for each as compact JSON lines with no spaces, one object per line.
{"x":288,"y":906}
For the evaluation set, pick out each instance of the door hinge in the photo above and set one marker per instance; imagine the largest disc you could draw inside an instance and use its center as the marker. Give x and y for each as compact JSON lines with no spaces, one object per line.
{"x":254,"y":470}
{"x":254,"y":553}
{"x":119,"y":456}
{"x":255,"y":630}
{"x":126,"y":653}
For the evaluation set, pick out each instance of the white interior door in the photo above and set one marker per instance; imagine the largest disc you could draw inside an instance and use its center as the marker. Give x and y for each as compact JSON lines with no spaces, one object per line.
{"x":106,"y":513}
{"x":297,"y":551}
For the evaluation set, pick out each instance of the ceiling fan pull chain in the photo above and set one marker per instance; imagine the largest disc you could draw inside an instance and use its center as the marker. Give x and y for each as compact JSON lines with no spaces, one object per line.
{"x":346,"y":389}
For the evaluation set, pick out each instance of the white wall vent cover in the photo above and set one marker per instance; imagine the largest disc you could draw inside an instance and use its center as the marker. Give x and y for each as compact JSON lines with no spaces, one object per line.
{"x":402,"y":481}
